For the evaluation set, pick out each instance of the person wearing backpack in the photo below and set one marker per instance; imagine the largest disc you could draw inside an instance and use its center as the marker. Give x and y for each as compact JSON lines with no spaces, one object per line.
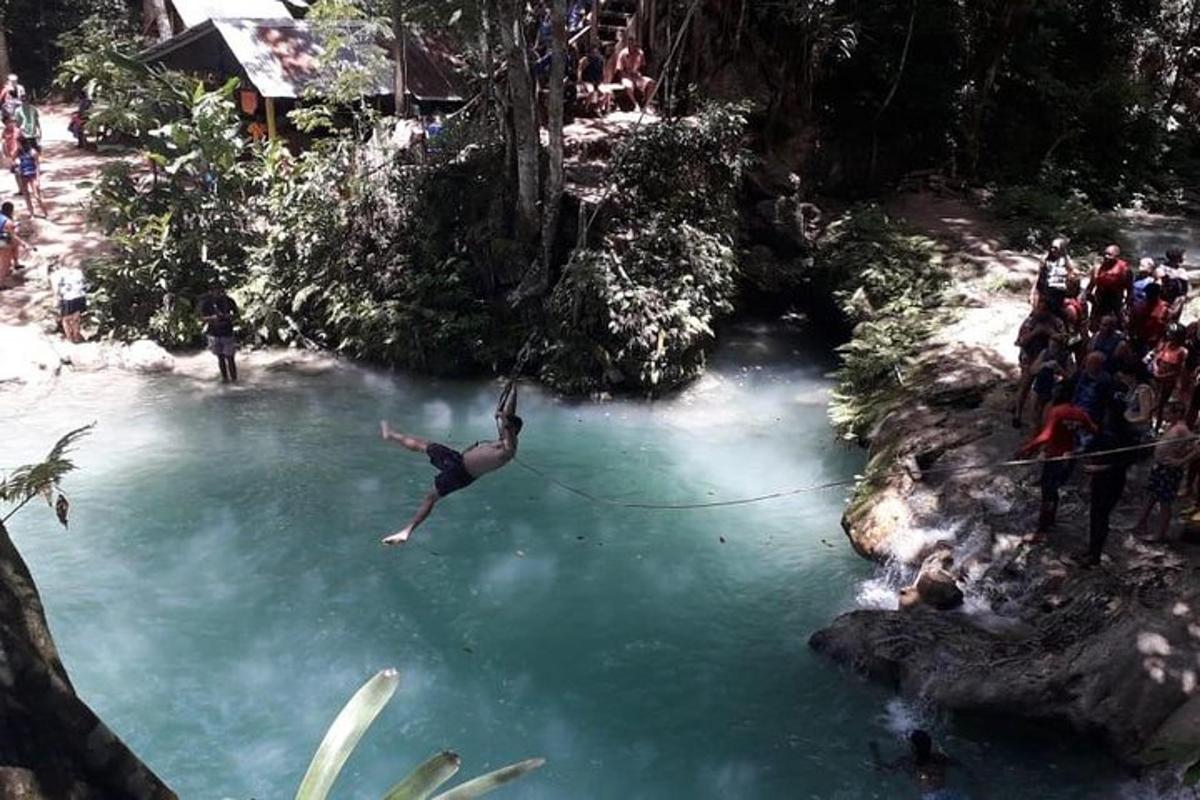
{"x":29,"y":168}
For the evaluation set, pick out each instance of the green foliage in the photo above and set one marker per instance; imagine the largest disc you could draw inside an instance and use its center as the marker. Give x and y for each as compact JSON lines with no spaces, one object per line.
{"x":1034,"y":215}
{"x":177,"y":222}
{"x":890,"y":285}
{"x":41,"y":32}
{"x":636,"y":310}
{"x":354,"y":720}
{"x":22,"y":484}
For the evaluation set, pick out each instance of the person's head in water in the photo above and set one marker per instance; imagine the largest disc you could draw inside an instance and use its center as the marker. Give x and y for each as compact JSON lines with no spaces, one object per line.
{"x":922,"y":745}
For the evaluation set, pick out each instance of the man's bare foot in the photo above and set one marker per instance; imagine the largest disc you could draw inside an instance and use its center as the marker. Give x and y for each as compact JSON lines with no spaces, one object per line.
{"x":398,"y":538}
{"x":385,"y":430}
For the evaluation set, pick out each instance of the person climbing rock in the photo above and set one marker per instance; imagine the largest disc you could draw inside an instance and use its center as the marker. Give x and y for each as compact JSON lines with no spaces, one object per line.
{"x":1057,"y":438}
{"x":1110,"y":289}
{"x":458,"y":470}
{"x":218,"y":311}
{"x":926,"y":766}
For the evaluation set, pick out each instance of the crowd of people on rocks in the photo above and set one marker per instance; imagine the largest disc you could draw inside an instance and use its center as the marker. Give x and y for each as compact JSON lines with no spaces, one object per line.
{"x":1110,"y":378}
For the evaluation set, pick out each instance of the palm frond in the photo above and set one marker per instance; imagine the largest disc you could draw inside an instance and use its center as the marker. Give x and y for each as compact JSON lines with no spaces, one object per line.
{"x":23,"y":483}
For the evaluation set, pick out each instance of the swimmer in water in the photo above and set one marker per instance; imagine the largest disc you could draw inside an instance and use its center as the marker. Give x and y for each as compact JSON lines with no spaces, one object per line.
{"x":458,"y":470}
{"x":925,"y":766}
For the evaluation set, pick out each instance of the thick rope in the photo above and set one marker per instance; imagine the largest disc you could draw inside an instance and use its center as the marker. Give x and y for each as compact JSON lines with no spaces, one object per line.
{"x":818,"y":487}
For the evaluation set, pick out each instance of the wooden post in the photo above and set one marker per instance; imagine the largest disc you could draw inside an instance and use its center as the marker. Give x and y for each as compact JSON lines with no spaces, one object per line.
{"x":271,"y":119}
{"x":595,"y":23}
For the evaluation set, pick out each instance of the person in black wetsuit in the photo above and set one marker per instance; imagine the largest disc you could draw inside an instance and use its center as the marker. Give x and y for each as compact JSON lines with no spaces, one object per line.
{"x":458,"y":470}
{"x":1107,"y":471}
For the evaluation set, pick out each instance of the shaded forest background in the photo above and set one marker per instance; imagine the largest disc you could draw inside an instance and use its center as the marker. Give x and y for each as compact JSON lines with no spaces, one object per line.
{"x":1096,"y":95}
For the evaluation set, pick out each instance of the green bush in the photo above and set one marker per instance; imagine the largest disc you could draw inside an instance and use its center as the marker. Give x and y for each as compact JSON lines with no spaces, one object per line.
{"x":635,"y":310}
{"x":1033,"y":216}
{"x":176,"y":222}
{"x":890,"y":284}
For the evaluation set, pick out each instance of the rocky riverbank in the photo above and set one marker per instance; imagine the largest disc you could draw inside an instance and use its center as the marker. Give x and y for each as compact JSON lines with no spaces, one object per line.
{"x":1112,"y":652}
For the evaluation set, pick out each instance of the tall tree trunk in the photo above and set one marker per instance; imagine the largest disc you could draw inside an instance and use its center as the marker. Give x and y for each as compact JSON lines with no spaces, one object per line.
{"x":399,"y":55}
{"x":1016,"y":12}
{"x":891,"y":95}
{"x":524,"y":121}
{"x":155,"y":19}
{"x":485,"y":50}
{"x":554,"y":171}
{"x":1181,"y":57}
{"x":5,"y":61}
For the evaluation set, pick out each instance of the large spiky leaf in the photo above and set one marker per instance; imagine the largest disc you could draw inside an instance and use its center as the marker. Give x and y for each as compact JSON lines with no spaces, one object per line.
{"x":343,"y":735}
{"x":30,"y":480}
{"x":425,"y":779}
{"x":477,"y":787}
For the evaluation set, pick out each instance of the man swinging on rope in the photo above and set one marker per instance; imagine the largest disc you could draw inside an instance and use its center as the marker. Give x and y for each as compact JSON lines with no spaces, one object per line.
{"x":457,"y":470}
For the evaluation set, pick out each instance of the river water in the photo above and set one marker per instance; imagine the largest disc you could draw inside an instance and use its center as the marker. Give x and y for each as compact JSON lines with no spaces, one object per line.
{"x":222,"y":592}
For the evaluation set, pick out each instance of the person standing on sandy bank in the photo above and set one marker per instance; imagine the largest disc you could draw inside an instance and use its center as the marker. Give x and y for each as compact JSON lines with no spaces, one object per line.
{"x":458,"y":470}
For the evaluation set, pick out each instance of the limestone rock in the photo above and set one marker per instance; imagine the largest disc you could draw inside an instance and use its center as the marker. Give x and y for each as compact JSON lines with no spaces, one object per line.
{"x":86,"y":357}
{"x":936,"y":585}
{"x":147,"y":356}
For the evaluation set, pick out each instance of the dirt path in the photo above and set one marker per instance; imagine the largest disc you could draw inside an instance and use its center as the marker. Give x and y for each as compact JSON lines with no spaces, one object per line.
{"x":65,"y":236}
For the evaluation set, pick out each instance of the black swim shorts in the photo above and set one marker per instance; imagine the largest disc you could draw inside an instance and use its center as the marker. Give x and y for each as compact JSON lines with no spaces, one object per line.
{"x":452,"y":472}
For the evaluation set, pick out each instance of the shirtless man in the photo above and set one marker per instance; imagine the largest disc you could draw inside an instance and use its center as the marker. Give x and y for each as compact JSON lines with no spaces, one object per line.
{"x":925,"y":765}
{"x":630,"y":62}
{"x":458,"y":470}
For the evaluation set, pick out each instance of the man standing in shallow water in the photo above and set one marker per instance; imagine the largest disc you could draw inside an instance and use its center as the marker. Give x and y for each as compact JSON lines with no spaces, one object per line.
{"x":218,"y":310}
{"x":458,"y":470}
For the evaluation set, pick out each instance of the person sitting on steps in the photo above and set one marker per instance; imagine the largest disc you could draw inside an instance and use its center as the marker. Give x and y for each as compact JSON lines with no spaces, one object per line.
{"x":458,"y":470}
{"x":630,"y":62}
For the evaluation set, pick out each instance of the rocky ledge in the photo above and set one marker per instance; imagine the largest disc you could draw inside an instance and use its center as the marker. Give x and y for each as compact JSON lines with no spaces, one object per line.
{"x":1112,"y":652}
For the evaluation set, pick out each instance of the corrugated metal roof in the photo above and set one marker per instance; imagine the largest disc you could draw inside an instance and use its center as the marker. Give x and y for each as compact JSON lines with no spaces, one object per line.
{"x":282,"y":57}
{"x":193,"y":12}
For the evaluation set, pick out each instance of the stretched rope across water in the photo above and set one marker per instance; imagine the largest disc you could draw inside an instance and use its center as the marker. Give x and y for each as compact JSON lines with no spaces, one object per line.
{"x":819,"y":487}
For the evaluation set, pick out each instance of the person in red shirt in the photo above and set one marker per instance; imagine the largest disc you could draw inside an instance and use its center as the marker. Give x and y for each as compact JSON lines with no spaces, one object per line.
{"x":1149,"y":320}
{"x":1056,"y":439}
{"x":1111,"y":288}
